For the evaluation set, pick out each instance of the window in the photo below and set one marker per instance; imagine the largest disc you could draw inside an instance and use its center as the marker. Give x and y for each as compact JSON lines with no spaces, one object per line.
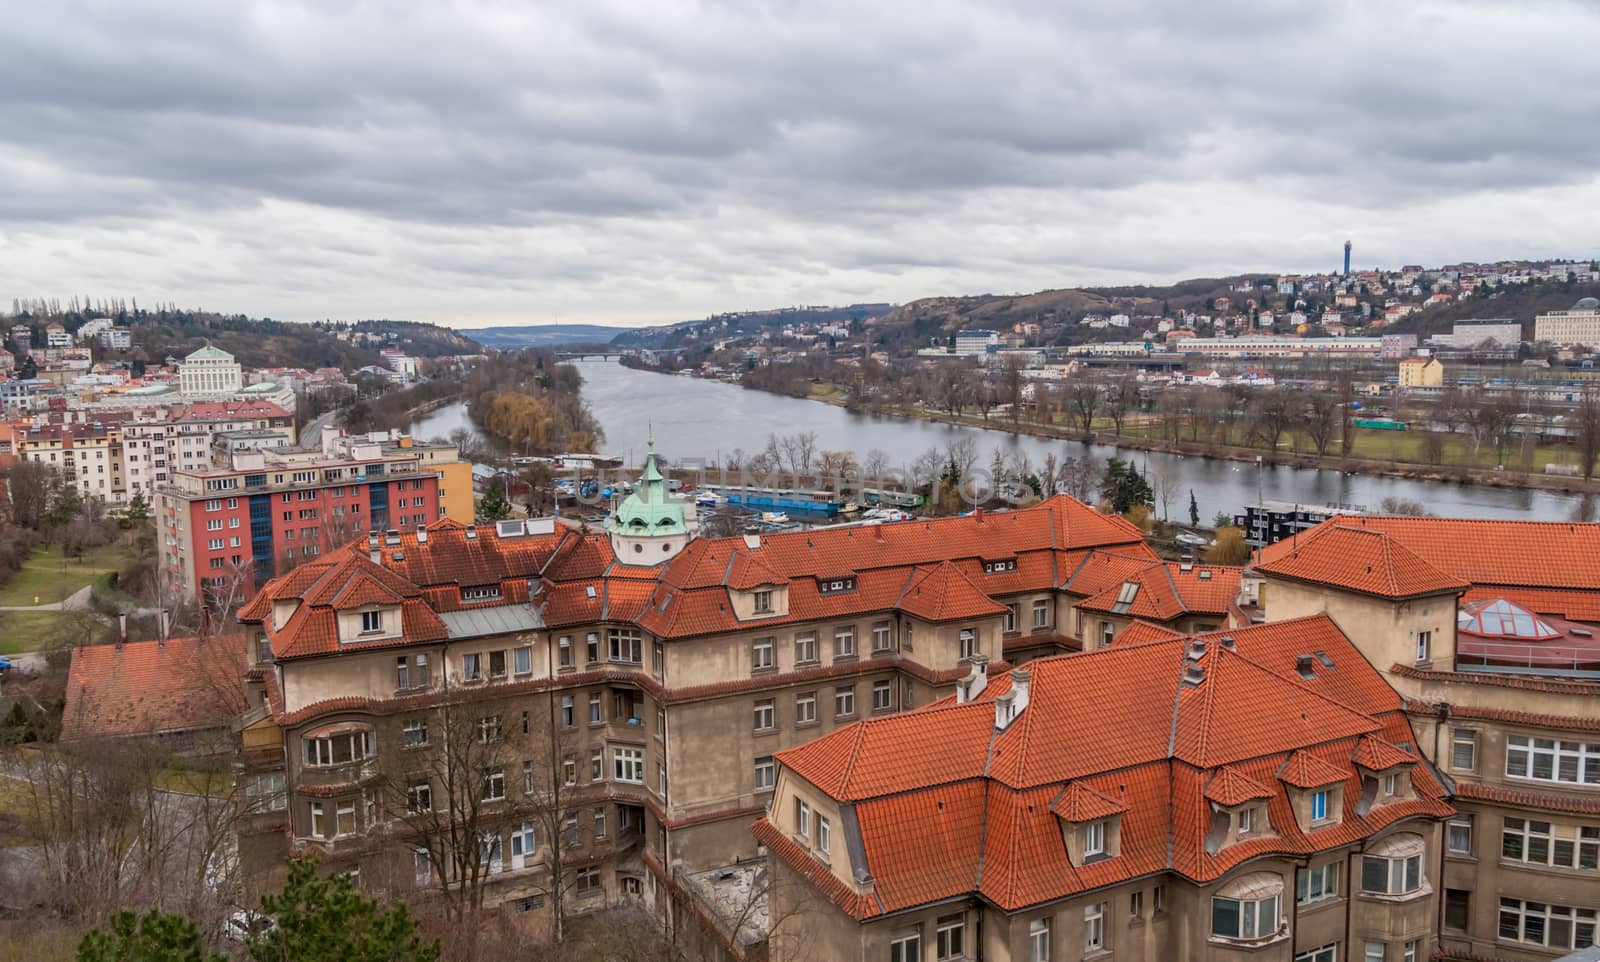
{"x":1041,"y":614}
{"x":1135,"y":905}
{"x":1247,"y":820}
{"x":340,"y":749}
{"x":1464,"y":749}
{"x":422,"y":864}
{"x":1373,"y":951}
{"x":497,"y":664}
{"x":761,"y":655}
{"x":1158,"y":899}
{"x":1316,"y":883}
{"x":472,"y":667}
{"x":588,"y":882}
{"x":265,"y":793}
{"x":824,"y":835}
{"x":906,"y":946}
{"x":1391,"y":785}
{"x":1039,"y":940}
{"x":805,"y":648}
{"x":489,"y":852}
{"x":802,"y":819}
{"x":766,"y":773}
{"x":569,"y":771}
{"x":527,"y":778}
{"x":969,"y":643}
{"x":523,"y":658}
{"x":1094,"y":927}
{"x":597,"y":766}
{"x":345,"y":818}
{"x":600,"y":822}
{"x":564,"y":651}
{"x":371,"y":622}
{"x":402,"y":673}
{"x":950,"y":937}
{"x":1549,"y":760}
{"x":1319,"y":806}
{"x":419,"y":796}
{"x":419,"y":673}
{"x":522,"y":844}
{"x":1410,"y":953}
{"x":1459,"y":835}
{"x":592,"y":645}
{"x":763,"y":715}
{"x":1457,"y":908}
{"x":1094,"y":838}
{"x":1540,"y":923}
{"x":1326,"y":953}
{"x":568,"y":715}
{"x":1391,"y":876}
{"x":1108,"y":632}
{"x":488,"y":729}
{"x":844,"y":701}
{"x":215,"y":544}
{"x":882,"y":696}
{"x":805,"y":708}
{"x":413,"y":732}
{"x":1538,"y":842}
{"x":1247,"y":908}
{"x":627,"y":765}
{"x":763,"y":602}
{"x":1012,"y":616}
{"x":319,"y":821}
{"x":594,"y":708}
{"x":844,"y":642}
{"x":493,"y":784}
{"x":1424,"y":645}
{"x":214,"y":524}
{"x":880,"y":636}
{"x":626,"y":644}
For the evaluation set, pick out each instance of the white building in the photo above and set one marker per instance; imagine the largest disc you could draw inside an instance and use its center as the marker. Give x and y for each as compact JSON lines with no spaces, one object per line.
{"x":1466,"y":335}
{"x":116,"y":338}
{"x":91,"y":329}
{"x":1581,"y":325}
{"x":56,"y":336}
{"x":975,"y":343}
{"x":209,"y":371}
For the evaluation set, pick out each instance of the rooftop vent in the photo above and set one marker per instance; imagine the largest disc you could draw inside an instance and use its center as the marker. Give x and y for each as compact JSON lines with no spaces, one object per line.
{"x":398,"y":556}
{"x":752,"y":540}
{"x":472,"y":534}
{"x":1186,"y":567}
{"x":1228,"y":643}
{"x":976,"y":681}
{"x":422,"y":535}
{"x":1303,"y":666}
{"x":1327,"y":662}
{"x":1581,"y":632}
{"x":391,"y":537}
{"x":1193,"y":675}
{"x":1204,"y":575}
{"x":1008,"y":706}
{"x":1197,"y":648}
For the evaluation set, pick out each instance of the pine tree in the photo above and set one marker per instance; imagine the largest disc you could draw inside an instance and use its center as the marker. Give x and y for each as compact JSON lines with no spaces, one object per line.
{"x":493,"y":507}
{"x":1194,"y":510}
{"x":152,"y":937}
{"x":327,"y":920}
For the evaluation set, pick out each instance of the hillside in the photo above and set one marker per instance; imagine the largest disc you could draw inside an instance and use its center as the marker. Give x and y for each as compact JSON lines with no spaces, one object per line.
{"x":745,"y":322}
{"x":255,"y":342}
{"x":420,"y":339}
{"x":1520,"y":303}
{"x":545,"y":335}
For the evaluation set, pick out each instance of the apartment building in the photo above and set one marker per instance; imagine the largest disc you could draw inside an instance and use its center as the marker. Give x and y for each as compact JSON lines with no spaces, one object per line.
{"x":160,"y":442}
{"x":1580,"y":325}
{"x":1249,"y":794}
{"x":88,"y":456}
{"x":230,"y":525}
{"x":1486,"y":629}
{"x":658,"y":672}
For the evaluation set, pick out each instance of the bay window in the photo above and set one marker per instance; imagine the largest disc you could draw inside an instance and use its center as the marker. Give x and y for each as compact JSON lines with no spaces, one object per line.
{"x":338,"y":748}
{"x":1247,"y":908}
{"x":1394,"y":866}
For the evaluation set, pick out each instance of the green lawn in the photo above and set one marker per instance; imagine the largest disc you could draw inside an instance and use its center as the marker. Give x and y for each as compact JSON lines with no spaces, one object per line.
{"x":50,"y":578}
{"x":43,"y":630}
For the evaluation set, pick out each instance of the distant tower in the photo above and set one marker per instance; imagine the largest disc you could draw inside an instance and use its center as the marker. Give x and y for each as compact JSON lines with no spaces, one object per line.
{"x":1347,"y":258}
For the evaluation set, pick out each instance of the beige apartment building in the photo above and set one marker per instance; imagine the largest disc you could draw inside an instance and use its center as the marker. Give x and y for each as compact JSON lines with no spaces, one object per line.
{"x":627,"y":690}
{"x":1486,"y":629}
{"x":1580,"y":325}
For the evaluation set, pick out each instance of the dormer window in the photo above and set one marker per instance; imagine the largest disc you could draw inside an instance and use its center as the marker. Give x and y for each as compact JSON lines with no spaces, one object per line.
{"x":763,"y":602}
{"x":371,"y":622}
{"x":999,"y":567}
{"x":832,"y":585}
{"x":1247,"y":820}
{"x":1319,"y":805}
{"x":1094,"y":839}
{"x":484,"y":593}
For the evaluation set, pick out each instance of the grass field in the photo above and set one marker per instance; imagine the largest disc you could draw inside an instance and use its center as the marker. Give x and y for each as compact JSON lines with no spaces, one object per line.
{"x":43,"y":630}
{"x":50,"y":578}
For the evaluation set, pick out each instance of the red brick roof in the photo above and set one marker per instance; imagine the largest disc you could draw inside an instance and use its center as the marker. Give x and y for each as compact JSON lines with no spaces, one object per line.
{"x":150,"y":687}
{"x":1360,"y":559}
{"x":948,"y":806}
{"x":1375,"y":755}
{"x":1166,"y":591}
{"x":943,"y":593}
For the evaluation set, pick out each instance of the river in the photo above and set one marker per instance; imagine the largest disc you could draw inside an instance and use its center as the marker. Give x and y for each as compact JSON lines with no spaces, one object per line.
{"x":694,"y":418}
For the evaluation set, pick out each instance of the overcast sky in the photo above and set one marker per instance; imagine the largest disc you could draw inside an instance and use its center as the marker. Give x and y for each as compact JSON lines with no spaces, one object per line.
{"x":622,"y":163}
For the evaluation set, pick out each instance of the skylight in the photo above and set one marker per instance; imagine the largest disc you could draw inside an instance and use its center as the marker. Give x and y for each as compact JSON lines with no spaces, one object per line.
{"x":1503,"y":619}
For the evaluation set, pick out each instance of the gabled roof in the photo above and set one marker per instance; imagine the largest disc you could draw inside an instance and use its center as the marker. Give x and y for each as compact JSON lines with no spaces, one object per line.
{"x":1229,"y":787}
{"x":1374,"y":754}
{"x":1305,"y":770}
{"x":1359,"y":559}
{"x":1164,"y":591}
{"x":1080,"y":803}
{"x":152,"y":687}
{"x":943,"y":593}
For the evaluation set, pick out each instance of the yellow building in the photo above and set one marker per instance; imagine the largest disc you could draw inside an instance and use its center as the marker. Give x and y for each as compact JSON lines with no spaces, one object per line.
{"x":1421,"y":372}
{"x":455,"y":478}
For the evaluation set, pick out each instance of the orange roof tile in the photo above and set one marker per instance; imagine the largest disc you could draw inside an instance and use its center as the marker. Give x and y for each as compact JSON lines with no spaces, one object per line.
{"x":1230,"y":787}
{"x":1374,"y":754}
{"x":149,"y":687}
{"x":1359,"y":559}
{"x":943,"y":593}
{"x":1305,"y":770}
{"x":1080,"y":803}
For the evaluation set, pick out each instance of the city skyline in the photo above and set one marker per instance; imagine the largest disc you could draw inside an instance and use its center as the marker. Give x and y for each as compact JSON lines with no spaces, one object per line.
{"x":479,"y":166}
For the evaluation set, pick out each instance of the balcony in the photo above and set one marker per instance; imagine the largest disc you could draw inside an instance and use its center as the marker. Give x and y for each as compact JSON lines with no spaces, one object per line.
{"x":1525,"y":658}
{"x":335,"y":776}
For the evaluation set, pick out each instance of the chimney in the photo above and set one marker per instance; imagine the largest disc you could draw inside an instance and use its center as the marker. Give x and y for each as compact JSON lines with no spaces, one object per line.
{"x":1303,"y":666}
{"x":1008,"y":706}
{"x":977,"y":514}
{"x":122,"y":631}
{"x":422,"y":535}
{"x":1197,"y":648}
{"x":374,"y":550}
{"x":976,"y":681}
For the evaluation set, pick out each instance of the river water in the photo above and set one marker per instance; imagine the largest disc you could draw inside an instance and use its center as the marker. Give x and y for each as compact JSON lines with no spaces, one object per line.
{"x":694,"y":418}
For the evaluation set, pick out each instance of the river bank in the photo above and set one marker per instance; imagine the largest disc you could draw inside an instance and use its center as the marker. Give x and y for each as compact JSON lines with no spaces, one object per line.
{"x":1404,"y":470}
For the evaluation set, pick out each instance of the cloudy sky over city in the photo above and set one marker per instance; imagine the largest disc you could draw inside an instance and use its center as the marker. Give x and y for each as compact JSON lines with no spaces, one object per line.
{"x":478,"y":164}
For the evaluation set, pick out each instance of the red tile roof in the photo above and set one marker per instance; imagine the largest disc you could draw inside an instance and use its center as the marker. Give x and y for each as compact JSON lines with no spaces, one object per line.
{"x":1126,"y":731}
{"x":150,"y":687}
{"x":1167,"y":591}
{"x":942,"y":593}
{"x":1360,"y":559}
{"x":1375,"y":755}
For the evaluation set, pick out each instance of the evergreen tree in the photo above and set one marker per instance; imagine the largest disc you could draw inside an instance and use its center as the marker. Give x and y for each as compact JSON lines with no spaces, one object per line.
{"x":1124,"y":486}
{"x":493,"y":507}
{"x":327,"y":920}
{"x":152,"y":937}
{"x":138,"y":510}
{"x":1194,"y":510}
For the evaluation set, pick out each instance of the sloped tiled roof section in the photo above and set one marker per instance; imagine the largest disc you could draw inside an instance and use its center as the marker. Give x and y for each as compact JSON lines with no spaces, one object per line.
{"x":1305,"y":770}
{"x":1375,"y":755}
{"x":1229,"y":787}
{"x":151,"y":687}
{"x":942,"y":593}
{"x":1365,"y":560}
{"x":1080,"y":803}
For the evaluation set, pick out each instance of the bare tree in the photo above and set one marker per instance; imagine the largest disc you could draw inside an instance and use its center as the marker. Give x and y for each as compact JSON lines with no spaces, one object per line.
{"x":1586,"y":418}
{"x":876,"y":463}
{"x":1319,"y":417}
{"x":1121,"y":397}
{"x":1080,"y":477}
{"x":1083,"y":397}
{"x":1165,"y":479}
{"x":1273,"y":414}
